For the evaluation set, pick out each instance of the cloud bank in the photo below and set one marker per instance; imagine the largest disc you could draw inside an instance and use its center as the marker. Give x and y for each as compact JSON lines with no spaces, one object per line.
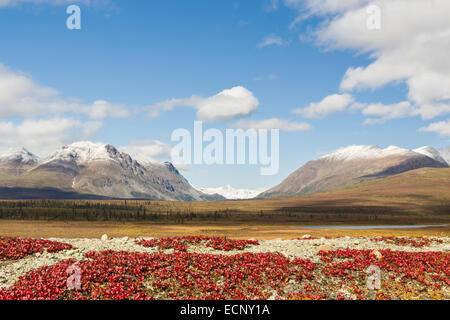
{"x":42,"y":137}
{"x":47,"y":119}
{"x":410,"y":49}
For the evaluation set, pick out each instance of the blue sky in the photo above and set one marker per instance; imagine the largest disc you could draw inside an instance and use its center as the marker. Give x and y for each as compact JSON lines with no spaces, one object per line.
{"x":133,"y":55}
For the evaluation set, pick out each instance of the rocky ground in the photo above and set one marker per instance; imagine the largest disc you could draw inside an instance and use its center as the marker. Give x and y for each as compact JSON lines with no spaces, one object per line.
{"x":304,"y":248}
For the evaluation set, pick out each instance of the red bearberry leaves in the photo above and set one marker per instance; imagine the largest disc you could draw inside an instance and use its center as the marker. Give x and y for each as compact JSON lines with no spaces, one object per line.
{"x":12,"y":248}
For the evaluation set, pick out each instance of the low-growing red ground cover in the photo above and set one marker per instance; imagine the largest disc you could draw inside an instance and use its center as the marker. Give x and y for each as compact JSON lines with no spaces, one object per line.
{"x":182,"y":275}
{"x":401,"y":271}
{"x":12,"y":248}
{"x":181,"y":243}
{"x":341,"y":274}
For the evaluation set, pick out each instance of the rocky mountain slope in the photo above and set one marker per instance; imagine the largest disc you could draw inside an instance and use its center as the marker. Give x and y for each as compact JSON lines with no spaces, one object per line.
{"x":353,"y":165}
{"x":97,"y":169}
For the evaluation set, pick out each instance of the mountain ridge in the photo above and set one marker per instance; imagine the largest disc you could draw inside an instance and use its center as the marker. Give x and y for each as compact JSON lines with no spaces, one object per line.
{"x":100,"y":169}
{"x":352,"y":165}
{"x":90,"y":168}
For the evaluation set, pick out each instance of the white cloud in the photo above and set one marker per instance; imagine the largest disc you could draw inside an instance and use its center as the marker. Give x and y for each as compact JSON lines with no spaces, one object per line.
{"x":44,"y":136}
{"x":21,"y":96}
{"x":329,"y":105}
{"x":272,"y":40}
{"x":101,"y":109}
{"x":149,"y":148}
{"x":273,"y":123}
{"x":308,"y":8}
{"x":228,"y":104}
{"x":324,"y":6}
{"x":410,"y":48}
{"x":387,"y":112}
{"x":442,"y":128}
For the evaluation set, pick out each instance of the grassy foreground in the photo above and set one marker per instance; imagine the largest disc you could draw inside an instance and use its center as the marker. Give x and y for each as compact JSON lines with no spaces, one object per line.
{"x":84,"y":229}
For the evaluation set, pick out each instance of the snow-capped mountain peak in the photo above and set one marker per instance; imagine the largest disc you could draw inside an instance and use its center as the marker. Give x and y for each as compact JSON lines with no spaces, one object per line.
{"x":21,"y":155}
{"x":85,"y":152}
{"x":432,"y":153}
{"x":355,"y":152}
{"x":231,"y":193}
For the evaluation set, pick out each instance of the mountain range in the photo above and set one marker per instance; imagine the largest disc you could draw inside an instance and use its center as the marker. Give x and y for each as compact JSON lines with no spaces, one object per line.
{"x":232,"y":193}
{"x":353,"y":165}
{"x":87,"y":169}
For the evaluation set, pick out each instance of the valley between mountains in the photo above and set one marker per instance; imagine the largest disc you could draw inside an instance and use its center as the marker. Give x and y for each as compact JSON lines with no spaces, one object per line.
{"x":87,"y":170}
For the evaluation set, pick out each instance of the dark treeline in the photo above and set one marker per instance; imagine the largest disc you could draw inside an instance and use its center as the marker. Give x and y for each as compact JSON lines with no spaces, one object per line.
{"x":180,"y":213}
{"x":125,"y":210}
